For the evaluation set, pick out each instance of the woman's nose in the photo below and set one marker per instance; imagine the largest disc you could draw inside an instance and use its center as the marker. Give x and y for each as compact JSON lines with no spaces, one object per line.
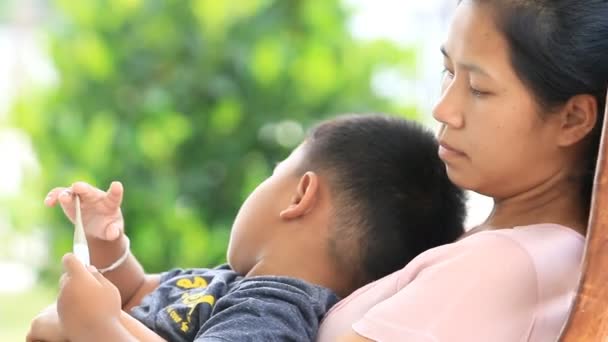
{"x":449,"y":108}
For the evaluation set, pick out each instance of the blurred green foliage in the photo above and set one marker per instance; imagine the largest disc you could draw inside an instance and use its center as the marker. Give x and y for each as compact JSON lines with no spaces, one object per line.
{"x":18,"y":309}
{"x":188,"y":103}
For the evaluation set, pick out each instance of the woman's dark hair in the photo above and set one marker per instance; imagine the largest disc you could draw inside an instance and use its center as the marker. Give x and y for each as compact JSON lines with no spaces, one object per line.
{"x":559,"y":49}
{"x":392,"y":197}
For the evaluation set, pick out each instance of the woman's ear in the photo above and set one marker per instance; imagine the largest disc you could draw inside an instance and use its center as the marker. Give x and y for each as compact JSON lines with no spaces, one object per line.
{"x":305,"y":197}
{"x":577,"y":119}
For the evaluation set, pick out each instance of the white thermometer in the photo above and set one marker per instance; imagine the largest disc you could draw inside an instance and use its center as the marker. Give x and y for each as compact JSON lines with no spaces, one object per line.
{"x":81,"y":249}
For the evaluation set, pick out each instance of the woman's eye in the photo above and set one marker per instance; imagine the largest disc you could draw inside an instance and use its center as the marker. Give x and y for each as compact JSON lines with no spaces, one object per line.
{"x":447,"y":73}
{"x":476,"y":92}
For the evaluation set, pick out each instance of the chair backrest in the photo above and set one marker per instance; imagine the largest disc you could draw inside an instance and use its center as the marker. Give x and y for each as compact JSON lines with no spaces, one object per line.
{"x":588,"y":319}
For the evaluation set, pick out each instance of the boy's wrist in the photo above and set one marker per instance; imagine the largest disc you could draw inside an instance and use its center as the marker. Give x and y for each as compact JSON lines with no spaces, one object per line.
{"x":127,"y":275}
{"x":105,"y":253}
{"x":120,"y":260}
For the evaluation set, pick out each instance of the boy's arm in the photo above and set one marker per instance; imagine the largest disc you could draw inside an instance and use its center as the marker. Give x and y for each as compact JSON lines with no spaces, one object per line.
{"x":130,"y":278}
{"x":150,"y":283}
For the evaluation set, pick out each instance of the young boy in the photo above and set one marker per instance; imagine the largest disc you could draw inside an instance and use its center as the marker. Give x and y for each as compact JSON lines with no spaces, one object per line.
{"x":357,"y":200}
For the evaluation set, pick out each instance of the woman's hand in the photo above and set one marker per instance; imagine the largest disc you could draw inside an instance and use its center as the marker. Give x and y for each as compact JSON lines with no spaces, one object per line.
{"x":46,"y":327}
{"x":101,"y":214}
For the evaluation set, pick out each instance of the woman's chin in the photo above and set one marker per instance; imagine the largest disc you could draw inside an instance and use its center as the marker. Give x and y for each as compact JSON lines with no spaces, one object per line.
{"x":462,"y":179}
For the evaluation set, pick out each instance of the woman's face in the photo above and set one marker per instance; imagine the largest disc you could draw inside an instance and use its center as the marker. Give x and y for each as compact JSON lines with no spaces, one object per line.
{"x":494,"y":138}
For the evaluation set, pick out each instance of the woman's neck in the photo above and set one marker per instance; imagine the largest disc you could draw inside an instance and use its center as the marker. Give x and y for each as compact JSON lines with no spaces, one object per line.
{"x":556,"y":201}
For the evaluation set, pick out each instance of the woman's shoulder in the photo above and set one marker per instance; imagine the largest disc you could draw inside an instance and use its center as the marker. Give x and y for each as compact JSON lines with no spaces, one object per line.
{"x":542,"y":237}
{"x":542,"y":243}
{"x":490,"y":276}
{"x":525,"y":248}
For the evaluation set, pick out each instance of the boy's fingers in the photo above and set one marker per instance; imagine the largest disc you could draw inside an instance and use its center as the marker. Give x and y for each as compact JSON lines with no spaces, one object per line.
{"x":65,"y":198}
{"x":115,"y":192}
{"x":51,"y":198}
{"x":86,"y":191}
{"x":113,"y":231}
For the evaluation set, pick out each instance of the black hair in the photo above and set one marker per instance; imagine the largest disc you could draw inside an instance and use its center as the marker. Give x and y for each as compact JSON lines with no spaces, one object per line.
{"x":392,"y":196}
{"x":559,"y":49}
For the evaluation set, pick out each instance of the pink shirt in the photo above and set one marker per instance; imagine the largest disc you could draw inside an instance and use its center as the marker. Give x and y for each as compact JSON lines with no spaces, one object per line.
{"x":502,"y":285}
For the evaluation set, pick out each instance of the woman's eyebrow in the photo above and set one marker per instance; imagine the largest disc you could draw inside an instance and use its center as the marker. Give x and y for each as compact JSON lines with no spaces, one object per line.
{"x":471,"y":67}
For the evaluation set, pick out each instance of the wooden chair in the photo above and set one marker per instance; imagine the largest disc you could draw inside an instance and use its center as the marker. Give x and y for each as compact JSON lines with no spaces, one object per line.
{"x":588,"y":319}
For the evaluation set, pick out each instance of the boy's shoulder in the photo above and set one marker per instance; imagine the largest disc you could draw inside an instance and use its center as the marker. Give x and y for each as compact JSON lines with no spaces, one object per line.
{"x":218,"y":302}
{"x":184,"y":300}
{"x":188,"y":278}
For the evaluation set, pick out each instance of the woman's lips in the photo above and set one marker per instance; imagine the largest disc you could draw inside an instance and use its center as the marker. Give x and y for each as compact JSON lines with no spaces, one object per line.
{"x":447,"y":151}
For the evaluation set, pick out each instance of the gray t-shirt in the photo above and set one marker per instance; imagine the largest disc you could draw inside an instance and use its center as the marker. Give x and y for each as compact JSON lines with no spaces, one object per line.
{"x":219,"y":305}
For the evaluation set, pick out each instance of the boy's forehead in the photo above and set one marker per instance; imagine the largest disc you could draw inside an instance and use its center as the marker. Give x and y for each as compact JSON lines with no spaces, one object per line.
{"x":298,"y":152}
{"x":296,"y":157}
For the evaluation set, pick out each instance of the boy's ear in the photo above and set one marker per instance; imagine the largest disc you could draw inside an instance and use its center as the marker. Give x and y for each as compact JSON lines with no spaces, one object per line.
{"x":305,"y":197}
{"x":577,"y":119}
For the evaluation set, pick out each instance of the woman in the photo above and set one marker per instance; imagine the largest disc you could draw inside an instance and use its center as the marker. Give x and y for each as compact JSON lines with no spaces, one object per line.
{"x":521,"y":111}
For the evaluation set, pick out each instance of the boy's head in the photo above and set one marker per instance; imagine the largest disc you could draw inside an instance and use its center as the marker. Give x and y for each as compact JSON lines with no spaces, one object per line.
{"x":370,"y":189}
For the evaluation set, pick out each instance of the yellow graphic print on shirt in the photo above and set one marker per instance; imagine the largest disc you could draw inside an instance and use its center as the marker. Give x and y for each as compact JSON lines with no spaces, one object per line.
{"x":191,"y":300}
{"x":197,"y":282}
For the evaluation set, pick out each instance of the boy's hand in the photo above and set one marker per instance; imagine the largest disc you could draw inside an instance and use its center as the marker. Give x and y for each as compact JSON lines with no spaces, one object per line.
{"x":101,"y":214}
{"x":46,"y":327}
{"x":88,"y":303}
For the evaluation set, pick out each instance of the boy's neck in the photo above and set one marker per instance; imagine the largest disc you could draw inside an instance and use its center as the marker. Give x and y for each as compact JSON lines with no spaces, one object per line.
{"x":312,"y":266}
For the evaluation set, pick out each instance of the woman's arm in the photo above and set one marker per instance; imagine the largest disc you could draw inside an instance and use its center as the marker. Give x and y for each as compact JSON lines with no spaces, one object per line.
{"x":137,"y":330}
{"x":127,"y":329}
{"x":47,"y":327}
